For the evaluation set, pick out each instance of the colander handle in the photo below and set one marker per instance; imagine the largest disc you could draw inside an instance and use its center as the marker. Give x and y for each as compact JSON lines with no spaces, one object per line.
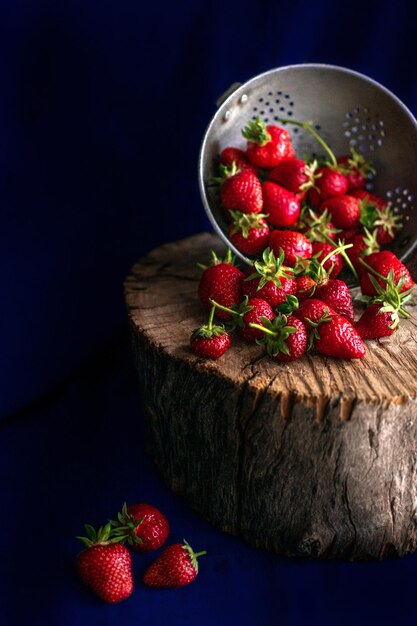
{"x":227,"y":93}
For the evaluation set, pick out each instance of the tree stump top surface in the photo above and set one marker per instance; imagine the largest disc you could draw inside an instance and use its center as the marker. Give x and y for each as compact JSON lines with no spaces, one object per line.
{"x":163,"y":307}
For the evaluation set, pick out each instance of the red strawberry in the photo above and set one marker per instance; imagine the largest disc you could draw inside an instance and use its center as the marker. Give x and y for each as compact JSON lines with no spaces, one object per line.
{"x":249,"y":232}
{"x":330,"y":183}
{"x":362,"y":245}
{"x":385,"y":267}
{"x":294,"y":174}
{"x":344,"y":211}
{"x":267,"y":145}
{"x":285,"y":337}
{"x":375,"y":322}
{"x":249,"y":311}
{"x":144,"y":526}
{"x":281,"y":205}
{"x":387,"y":224}
{"x":176,"y":566}
{"x":331,"y":334}
{"x":336,"y":294}
{"x":305,"y":287}
{"x":333,"y":263}
{"x":221,"y":281}
{"x":230,"y":155}
{"x":240,"y":190}
{"x":363,"y":194}
{"x":293,"y":243}
{"x":356,"y":169}
{"x":210,"y":341}
{"x":105,"y":566}
{"x":316,"y":227}
{"x":271,"y":280}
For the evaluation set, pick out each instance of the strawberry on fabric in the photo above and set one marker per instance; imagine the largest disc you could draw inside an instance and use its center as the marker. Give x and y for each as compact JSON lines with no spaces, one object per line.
{"x":175,"y":567}
{"x":363,"y":245}
{"x":143,"y":525}
{"x":271,"y":280}
{"x":240,"y":190}
{"x":231,"y":155}
{"x":105,"y":566}
{"x":249,"y":232}
{"x":383,"y":267}
{"x":253,"y":310}
{"x":331,"y":182}
{"x":285,"y":338}
{"x":281,"y":205}
{"x":330,"y":334}
{"x":356,"y":169}
{"x":210,"y":340}
{"x":267,"y":145}
{"x":294,"y":174}
{"x":221,"y":281}
{"x":293,"y":243}
{"x":343,"y":210}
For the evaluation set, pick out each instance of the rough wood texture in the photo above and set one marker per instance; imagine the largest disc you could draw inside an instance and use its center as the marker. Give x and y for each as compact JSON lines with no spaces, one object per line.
{"x":315,"y":458}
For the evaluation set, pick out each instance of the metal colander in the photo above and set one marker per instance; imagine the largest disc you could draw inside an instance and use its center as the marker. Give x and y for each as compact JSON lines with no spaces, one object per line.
{"x":348,"y":110}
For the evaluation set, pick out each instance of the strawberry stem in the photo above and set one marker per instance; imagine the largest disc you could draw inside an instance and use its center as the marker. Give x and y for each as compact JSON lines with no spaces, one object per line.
{"x":202,"y":553}
{"x":309,"y":127}
{"x":344,"y":255}
{"x":210,"y":320}
{"x":223,"y":308}
{"x":263,"y":329}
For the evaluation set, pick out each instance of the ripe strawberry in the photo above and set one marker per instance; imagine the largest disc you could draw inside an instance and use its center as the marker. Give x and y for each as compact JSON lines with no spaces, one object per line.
{"x":305,"y":287}
{"x":294,"y":174}
{"x":249,"y":232}
{"x":281,"y":205}
{"x":336,"y":294}
{"x":293,"y":243}
{"x":356,"y":169}
{"x":384,"y":266}
{"x":363,"y":244}
{"x":368,"y":197}
{"x":105,"y":566}
{"x":210,"y":341}
{"x":240,"y":190}
{"x":229,"y":155}
{"x":271,"y":280}
{"x":331,"y":182}
{"x":267,"y":145}
{"x":376,"y":321}
{"x":285,"y":337}
{"x":344,"y":211}
{"x":328,"y":256}
{"x":331,"y":334}
{"x":316,"y":227}
{"x":143,"y":525}
{"x":221,"y":281}
{"x":387,"y":224}
{"x":253,"y":310}
{"x":176,"y":566}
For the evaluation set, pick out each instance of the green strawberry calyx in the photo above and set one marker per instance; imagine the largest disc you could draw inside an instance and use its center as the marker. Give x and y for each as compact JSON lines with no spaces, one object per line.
{"x":225,"y":172}
{"x":193,"y":556}
{"x":314,"y":332}
{"x":358,"y":162}
{"x":317,"y":225}
{"x":209,"y":330}
{"x":289,"y":305}
{"x":255,"y":131}
{"x":105,"y":535}
{"x":276,"y":333}
{"x":242,"y":222}
{"x":229,"y":258}
{"x":390,"y":297}
{"x":310,"y":171}
{"x":126,"y":525}
{"x":388,"y":221}
{"x":270,"y":268}
{"x":237,"y":312}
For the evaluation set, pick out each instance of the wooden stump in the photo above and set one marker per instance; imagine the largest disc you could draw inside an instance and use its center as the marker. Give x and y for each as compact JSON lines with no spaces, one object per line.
{"x":314,"y":458}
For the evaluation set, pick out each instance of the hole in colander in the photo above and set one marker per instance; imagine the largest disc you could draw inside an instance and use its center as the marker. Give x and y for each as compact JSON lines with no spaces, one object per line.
{"x":260,"y":100}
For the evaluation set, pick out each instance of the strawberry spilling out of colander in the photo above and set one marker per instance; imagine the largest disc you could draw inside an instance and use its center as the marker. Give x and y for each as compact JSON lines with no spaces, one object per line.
{"x":303,"y":222}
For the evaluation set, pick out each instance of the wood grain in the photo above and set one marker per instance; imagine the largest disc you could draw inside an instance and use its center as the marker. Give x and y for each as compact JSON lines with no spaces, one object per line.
{"x":313,"y":458}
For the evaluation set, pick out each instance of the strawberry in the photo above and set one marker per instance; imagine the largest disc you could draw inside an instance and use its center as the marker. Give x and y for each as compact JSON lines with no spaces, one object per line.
{"x":253,"y":310}
{"x":305,"y":287}
{"x":356,"y":169}
{"x":294,"y":174}
{"x":385,"y":267}
{"x":316,"y":227}
{"x":329,"y":257}
{"x":229,"y":155}
{"x":285,"y":337}
{"x":249,"y":232}
{"x":343,"y":209}
{"x":368,"y":197}
{"x":376,"y":322}
{"x":336,"y":294}
{"x":281,"y":205}
{"x":331,"y":182}
{"x":331,"y":334}
{"x":105,"y":566}
{"x":210,"y":341}
{"x":176,"y":566}
{"x":293,"y":243}
{"x":267,"y":145}
{"x":271,"y":280}
{"x":240,"y":190}
{"x":363,"y":244}
{"x":221,"y":281}
{"x":144,"y":526}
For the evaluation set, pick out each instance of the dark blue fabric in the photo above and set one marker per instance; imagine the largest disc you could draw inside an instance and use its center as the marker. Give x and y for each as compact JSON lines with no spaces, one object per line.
{"x":102,"y":109}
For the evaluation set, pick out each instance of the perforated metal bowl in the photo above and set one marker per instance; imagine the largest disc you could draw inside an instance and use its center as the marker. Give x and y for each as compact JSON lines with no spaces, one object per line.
{"x":348,"y":109}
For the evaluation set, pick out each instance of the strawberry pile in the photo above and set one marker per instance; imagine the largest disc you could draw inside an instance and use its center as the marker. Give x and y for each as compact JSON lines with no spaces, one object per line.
{"x":105,"y":564}
{"x":302,"y":223}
